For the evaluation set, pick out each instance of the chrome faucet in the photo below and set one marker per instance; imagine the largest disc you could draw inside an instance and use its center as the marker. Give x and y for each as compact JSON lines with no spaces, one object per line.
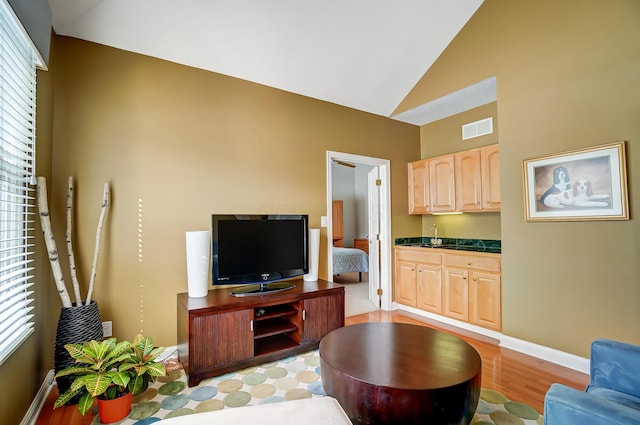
{"x":435,"y":240}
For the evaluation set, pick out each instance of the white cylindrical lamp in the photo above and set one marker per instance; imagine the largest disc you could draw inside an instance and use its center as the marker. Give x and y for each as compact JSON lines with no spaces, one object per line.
{"x":314,"y":255}
{"x":198,"y":248}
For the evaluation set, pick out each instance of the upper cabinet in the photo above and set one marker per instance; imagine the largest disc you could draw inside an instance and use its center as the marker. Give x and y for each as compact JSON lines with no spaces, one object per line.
{"x":467,"y":181}
{"x":419,"y":187}
{"x":442,"y":184}
{"x":490,"y":157}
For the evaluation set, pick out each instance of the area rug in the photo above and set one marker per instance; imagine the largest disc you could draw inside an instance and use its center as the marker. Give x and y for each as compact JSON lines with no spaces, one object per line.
{"x":287,"y":379}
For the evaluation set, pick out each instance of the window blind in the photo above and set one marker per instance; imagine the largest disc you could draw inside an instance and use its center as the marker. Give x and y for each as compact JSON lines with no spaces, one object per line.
{"x":17,"y":204}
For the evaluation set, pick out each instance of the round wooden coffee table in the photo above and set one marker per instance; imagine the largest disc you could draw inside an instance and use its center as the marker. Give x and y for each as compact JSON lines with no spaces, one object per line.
{"x":396,"y":373}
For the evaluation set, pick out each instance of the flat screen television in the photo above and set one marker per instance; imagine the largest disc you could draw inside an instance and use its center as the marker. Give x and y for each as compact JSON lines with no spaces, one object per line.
{"x":258,"y":251}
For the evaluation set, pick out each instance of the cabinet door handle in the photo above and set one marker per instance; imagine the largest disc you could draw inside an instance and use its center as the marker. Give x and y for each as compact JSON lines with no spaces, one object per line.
{"x":251,"y":326}
{"x":469,"y":263}
{"x":304,"y":314}
{"x":474,"y":279}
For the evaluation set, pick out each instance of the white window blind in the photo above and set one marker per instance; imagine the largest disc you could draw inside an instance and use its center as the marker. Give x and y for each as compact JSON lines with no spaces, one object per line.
{"x":17,"y":206}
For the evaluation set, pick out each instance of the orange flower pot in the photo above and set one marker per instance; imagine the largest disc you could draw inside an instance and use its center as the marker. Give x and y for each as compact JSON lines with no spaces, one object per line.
{"x":114,"y":410}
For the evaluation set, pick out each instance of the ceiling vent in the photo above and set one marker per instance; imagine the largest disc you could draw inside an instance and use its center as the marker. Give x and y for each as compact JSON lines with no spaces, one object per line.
{"x":477,"y":128}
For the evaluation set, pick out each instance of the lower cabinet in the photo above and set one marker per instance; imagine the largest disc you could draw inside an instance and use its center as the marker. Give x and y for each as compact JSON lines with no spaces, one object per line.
{"x":430,"y":288}
{"x":456,"y":294}
{"x":465,"y":287}
{"x":418,"y":279}
{"x":485,"y":300}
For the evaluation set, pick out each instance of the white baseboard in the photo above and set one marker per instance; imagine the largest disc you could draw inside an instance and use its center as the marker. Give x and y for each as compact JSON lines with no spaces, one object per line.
{"x":32,"y":414}
{"x":453,"y":322}
{"x":167,"y":353}
{"x":542,"y":352}
{"x":552,"y":355}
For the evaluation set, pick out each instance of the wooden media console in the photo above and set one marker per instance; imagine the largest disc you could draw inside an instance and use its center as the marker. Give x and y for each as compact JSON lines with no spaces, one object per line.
{"x":221,"y":333}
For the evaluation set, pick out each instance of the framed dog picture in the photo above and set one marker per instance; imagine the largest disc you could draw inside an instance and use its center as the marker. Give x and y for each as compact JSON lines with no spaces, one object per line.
{"x":585,"y":184}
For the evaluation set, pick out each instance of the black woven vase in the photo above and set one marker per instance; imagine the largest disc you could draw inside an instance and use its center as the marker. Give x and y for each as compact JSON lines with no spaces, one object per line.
{"x":76,"y":325}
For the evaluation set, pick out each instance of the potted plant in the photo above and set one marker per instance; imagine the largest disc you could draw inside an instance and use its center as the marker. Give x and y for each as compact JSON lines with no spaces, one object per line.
{"x":108,"y":371}
{"x":79,"y":320}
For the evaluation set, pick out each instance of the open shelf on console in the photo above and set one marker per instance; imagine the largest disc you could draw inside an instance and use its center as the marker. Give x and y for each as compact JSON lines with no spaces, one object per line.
{"x":273,"y":344}
{"x":280,"y":310}
{"x":272,"y":327}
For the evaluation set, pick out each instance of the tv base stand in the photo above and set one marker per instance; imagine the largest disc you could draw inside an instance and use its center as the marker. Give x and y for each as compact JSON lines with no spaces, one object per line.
{"x":221,"y":333}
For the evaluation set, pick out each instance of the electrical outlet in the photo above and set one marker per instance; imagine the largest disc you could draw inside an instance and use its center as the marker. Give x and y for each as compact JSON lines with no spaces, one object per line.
{"x":107,"y":328}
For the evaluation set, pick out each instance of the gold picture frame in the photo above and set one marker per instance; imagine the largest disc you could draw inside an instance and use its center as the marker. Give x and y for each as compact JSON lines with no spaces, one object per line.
{"x":579,"y":185}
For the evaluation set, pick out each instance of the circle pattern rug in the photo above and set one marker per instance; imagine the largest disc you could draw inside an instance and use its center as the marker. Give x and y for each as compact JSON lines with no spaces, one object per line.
{"x":291,"y":378}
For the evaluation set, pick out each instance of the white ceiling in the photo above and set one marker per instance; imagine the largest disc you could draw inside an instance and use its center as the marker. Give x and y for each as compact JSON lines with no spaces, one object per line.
{"x":363,"y":54}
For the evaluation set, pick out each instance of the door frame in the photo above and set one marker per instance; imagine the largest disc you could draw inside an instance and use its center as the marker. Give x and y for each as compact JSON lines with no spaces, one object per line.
{"x":384,"y":166}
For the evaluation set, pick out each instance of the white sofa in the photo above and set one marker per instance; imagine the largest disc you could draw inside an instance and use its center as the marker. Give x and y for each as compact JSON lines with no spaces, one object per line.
{"x":309,"y":411}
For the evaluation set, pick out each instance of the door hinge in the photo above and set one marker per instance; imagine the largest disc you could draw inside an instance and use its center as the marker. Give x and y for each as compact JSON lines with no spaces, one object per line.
{"x":379,"y":292}
{"x":378,"y":182}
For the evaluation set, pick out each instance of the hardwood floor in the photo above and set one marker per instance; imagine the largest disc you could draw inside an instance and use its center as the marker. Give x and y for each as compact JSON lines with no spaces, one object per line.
{"x":518,"y":376}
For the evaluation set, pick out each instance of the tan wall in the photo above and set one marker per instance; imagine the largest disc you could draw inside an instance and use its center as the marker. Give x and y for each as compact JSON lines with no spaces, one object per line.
{"x":443,"y":137}
{"x":177,"y":144}
{"x":567,"y":78}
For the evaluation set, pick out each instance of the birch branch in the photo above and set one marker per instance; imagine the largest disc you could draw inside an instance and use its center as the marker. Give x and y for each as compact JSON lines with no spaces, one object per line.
{"x":52,"y":252}
{"x":105,"y":203}
{"x":69,"y":240}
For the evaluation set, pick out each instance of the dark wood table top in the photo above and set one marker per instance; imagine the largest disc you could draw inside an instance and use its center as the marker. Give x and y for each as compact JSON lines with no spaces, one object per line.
{"x":400,"y":355}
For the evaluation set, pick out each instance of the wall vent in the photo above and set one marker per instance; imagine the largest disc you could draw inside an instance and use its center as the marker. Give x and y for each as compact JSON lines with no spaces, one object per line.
{"x":477,"y":128}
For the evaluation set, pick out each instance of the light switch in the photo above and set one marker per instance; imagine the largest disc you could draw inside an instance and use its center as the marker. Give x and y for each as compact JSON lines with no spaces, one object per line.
{"x":323,"y":221}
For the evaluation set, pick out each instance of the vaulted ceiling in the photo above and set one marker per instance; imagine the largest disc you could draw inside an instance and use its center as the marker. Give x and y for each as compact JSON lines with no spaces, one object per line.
{"x":362,"y":54}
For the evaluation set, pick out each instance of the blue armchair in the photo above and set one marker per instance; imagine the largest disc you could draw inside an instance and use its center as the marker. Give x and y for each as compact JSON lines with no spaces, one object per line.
{"x":612,"y":396}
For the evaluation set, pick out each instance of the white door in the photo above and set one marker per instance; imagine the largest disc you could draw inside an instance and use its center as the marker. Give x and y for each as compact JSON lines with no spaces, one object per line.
{"x":374,"y":238}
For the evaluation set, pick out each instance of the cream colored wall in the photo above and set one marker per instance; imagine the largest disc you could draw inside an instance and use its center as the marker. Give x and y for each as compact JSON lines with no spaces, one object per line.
{"x":443,"y":137}
{"x":177,"y":144}
{"x":568,"y":77}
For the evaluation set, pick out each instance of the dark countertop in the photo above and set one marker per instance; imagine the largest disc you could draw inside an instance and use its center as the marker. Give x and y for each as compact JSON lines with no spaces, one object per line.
{"x":471,"y":248}
{"x":471,"y":245}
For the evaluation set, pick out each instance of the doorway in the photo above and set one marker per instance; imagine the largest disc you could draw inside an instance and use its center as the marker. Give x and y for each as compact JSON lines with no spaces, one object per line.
{"x":377,"y":173}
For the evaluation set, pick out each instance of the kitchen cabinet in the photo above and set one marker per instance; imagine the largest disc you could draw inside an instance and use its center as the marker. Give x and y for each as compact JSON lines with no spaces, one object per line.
{"x":419,"y":278}
{"x":418,"y":172}
{"x":456,"y":294}
{"x":485,"y":299}
{"x":490,"y":159}
{"x":472,"y":289}
{"x":406,"y":283}
{"x":429,"y":287}
{"x":467,"y":181}
{"x":442,"y":192}
{"x":465,"y":286}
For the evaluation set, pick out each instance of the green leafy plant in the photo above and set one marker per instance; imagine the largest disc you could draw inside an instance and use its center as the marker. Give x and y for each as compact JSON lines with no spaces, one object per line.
{"x":109,"y":369}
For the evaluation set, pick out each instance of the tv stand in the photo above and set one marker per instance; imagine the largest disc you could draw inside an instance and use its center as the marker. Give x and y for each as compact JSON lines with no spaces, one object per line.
{"x":261,"y":289}
{"x":221,"y":333}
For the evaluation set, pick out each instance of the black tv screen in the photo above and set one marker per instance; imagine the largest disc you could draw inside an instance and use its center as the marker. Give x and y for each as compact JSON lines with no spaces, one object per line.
{"x":258,"y":249}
